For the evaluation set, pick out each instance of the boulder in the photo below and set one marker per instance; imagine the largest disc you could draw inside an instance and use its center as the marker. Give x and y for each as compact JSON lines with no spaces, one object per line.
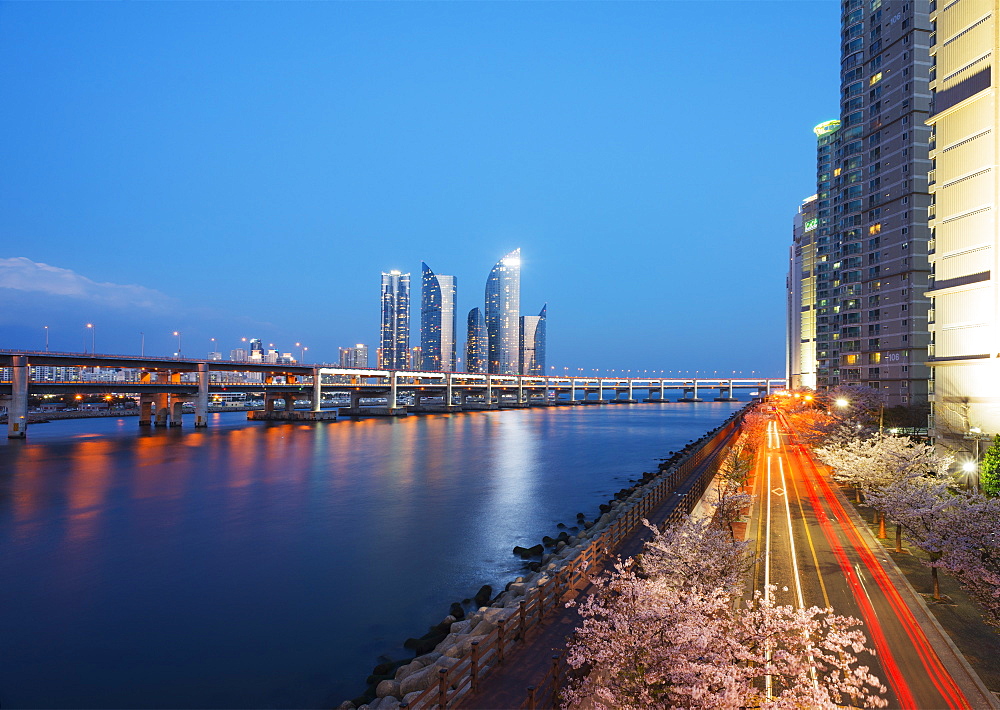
{"x":421,"y":680}
{"x":517,"y":589}
{"x":387,"y":687}
{"x":459,"y":627}
{"x":346,"y":705}
{"x":484,"y":595}
{"x":483,"y":628}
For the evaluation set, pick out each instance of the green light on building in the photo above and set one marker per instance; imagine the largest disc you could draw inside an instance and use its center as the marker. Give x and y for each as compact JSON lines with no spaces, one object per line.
{"x":826,"y":128}
{"x":810,"y":224}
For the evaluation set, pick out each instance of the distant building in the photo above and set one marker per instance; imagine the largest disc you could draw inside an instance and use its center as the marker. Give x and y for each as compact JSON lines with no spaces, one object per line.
{"x":475,"y":342}
{"x":356,"y":356}
{"x":238,"y":355}
{"x":503,"y":305}
{"x":256,"y":349}
{"x":215,"y":356}
{"x":532,"y":337}
{"x":437,"y":321}
{"x":800,"y":360}
{"x":394,"y":350}
{"x":964,"y":321}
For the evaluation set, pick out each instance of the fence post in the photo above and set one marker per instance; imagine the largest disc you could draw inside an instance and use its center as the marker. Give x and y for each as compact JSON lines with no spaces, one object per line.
{"x":474,"y":668}
{"x":501,"y":639}
{"x":555,"y":677}
{"x":531,"y":697}
{"x":520,"y":616}
{"x":443,"y":688}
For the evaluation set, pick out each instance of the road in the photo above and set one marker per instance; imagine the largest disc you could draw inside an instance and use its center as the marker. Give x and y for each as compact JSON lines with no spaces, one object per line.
{"x":809,"y":546}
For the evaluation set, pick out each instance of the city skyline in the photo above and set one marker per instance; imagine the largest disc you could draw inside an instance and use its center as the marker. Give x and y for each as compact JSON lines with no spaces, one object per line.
{"x":578,"y":161}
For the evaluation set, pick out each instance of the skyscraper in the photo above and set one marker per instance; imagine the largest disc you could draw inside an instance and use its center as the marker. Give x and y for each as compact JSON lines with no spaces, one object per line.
{"x":475,"y":342}
{"x":503,"y":303}
{"x":356,"y":356}
{"x":964,"y":321}
{"x":532,"y":336}
{"x":394,"y":350}
{"x":437,"y":321}
{"x":800,"y":367}
{"x":871,"y":267}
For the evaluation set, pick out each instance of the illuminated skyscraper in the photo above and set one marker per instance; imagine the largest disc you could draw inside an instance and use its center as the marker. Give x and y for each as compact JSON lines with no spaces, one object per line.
{"x":437,"y":321}
{"x":965,"y":186}
{"x":503,"y":303}
{"x":356,"y":356}
{"x":533,"y":343}
{"x":394,"y":350}
{"x":475,"y":343}
{"x":800,"y":367}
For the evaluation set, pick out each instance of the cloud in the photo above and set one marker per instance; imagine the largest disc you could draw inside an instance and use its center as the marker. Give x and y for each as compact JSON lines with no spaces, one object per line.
{"x":22,"y":274}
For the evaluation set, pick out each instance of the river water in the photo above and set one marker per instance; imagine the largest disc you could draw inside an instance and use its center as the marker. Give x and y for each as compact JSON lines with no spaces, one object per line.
{"x":256,"y":565}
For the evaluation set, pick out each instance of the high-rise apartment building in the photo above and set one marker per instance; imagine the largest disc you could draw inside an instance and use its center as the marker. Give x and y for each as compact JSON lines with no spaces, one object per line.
{"x":800,"y":365}
{"x":475,"y":342}
{"x":532,"y":337}
{"x":503,"y":304}
{"x":356,"y":356}
{"x":394,"y":349}
{"x":437,"y":321}
{"x":965,"y":316}
{"x":872,"y":199}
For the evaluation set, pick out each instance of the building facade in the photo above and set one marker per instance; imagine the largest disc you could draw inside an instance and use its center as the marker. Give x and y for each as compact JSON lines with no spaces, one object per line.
{"x":503,"y":305}
{"x":532,"y":337}
{"x":394,"y":343}
{"x":355,"y":356}
{"x":437,"y":321}
{"x":475,"y":342}
{"x":800,"y":363}
{"x":871,"y":242}
{"x":964,"y":327}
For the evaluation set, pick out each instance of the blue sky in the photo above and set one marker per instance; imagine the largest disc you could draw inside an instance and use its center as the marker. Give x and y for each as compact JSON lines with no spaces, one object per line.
{"x":248,"y":169}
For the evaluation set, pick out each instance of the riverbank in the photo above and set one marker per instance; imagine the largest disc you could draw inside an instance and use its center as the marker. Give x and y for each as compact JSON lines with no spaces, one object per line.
{"x":458,"y":652}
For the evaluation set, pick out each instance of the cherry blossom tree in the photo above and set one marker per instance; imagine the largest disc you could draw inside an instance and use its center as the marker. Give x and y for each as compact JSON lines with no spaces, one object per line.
{"x":972,"y":548}
{"x":664,"y":631}
{"x":924,"y":506}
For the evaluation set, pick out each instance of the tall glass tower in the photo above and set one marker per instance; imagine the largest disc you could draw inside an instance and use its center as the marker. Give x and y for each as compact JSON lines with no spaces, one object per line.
{"x":437,"y":321}
{"x":533,"y":343}
{"x":394,"y":350}
{"x":475,"y":343}
{"x":503,"y":303}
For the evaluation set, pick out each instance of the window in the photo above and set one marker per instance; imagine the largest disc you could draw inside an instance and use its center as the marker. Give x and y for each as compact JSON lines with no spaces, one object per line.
{"x":876,"y":78}
{"x":875,"y":228}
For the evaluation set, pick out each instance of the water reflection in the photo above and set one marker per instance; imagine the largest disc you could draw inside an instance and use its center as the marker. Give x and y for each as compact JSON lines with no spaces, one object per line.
{"x":268,"y":565}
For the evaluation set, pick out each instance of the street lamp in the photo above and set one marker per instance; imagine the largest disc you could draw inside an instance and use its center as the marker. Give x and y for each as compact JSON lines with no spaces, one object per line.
{"x":93,"y":340}
{"x":178,"y":334}
{"x":46,"y":338}
{"x":142,"y":344}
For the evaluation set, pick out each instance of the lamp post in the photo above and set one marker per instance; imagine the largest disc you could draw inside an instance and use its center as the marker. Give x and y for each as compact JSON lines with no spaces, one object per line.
{"x":178,"y":334}
{"x":46,"y":338}
{"x":93,"y":340}
{"x":142,"y":344}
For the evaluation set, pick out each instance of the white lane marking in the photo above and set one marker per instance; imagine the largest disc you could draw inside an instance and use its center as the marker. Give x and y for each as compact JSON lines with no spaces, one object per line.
{"x":791,"y":539}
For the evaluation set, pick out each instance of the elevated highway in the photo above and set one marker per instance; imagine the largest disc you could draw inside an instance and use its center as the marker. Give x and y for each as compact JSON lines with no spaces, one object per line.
{"x":164,"y":385}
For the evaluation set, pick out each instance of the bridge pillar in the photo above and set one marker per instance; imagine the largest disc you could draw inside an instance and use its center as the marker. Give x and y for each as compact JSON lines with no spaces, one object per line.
{"x":317,"y":390}
{"x":289,"y":402}
{"x":447,"y":390}
{"x":176,"y":411}
{"x":146,"y":405}
{"x":489,"y":390}
{"x":17,"y":405}
{"x":630,"y":389}
{"x":572,"y":390}
{"x":268,"y":402}
{"x":768,"y":387}
{"x":162,"y":400}
{"x":201,"y":400}
{"x":520,"y":390}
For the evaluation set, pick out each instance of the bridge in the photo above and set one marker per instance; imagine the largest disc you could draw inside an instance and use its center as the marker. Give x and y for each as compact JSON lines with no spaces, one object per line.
{"x":165,"y":385}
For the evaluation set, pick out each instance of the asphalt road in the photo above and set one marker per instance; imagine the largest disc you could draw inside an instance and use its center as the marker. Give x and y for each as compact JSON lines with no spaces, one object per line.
{"x":809,"y":546}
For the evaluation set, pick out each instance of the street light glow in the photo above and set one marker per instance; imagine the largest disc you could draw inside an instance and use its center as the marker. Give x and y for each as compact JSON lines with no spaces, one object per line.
{"x":841,"y":402}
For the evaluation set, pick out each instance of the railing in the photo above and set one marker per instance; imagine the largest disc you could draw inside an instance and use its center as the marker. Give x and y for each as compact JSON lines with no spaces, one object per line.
{"x":454,"y":683}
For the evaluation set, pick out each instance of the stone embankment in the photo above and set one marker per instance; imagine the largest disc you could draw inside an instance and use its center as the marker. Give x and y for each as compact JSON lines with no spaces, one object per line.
{"x":459,"y":650}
